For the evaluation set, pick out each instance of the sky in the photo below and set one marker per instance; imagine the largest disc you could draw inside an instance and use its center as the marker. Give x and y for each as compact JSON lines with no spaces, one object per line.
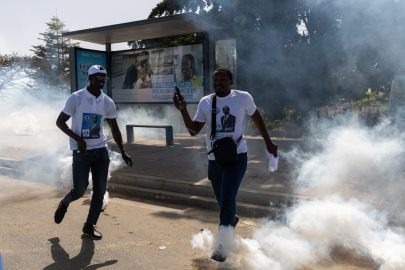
{"x":22,"y":21}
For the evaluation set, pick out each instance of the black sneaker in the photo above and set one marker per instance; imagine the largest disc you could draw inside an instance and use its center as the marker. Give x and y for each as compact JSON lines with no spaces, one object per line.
{"x":218,"y":254}
{"x":60,"y":212}
{"x":90,"y":230}
{"x":236,"y":221}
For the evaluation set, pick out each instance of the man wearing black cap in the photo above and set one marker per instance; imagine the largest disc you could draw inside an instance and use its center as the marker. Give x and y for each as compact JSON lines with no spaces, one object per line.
{"x":88,"y":108}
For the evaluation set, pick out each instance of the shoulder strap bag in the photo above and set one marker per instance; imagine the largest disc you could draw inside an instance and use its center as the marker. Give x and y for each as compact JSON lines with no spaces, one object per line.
{"x":224,"y":149}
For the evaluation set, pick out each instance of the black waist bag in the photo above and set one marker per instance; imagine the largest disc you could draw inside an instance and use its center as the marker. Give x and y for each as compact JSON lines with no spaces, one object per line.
{"x":225,"y":149}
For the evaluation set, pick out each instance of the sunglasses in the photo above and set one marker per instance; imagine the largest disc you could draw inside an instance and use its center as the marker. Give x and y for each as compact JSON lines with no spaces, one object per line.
{"x":101,"y":78}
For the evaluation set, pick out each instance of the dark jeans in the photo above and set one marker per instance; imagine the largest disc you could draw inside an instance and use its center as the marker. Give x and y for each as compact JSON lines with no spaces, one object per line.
{"x":98,"y":160}
{"x":225,"y":182}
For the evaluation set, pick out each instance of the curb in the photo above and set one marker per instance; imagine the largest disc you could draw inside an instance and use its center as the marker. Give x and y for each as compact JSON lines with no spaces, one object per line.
{"x":6,"y":167}
{"x":7,"y":171}
{"x":8,"y":162}
{"x":250,"y":196}
{"x":244,"y":209}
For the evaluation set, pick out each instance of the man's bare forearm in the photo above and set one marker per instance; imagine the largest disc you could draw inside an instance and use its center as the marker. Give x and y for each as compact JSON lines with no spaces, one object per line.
{"x":118,"y":139}
{"x":263,"y":131}
{"x":190,"y":123}
{"x":261,"y":127}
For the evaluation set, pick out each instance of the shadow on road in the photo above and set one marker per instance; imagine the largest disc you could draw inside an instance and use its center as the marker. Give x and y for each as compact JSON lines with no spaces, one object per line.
{"x":81,"y":261}
{"x":204,"y":264}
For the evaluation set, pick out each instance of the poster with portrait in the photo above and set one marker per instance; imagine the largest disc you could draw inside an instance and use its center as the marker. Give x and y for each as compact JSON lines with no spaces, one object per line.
{"x":227,"y":121}
{"x":397,"y":96}
{"x":149,"y":76}
{"x":91,"y":126}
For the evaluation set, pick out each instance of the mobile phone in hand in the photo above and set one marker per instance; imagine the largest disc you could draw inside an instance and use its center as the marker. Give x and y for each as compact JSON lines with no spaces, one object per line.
{"x":177,"y":93}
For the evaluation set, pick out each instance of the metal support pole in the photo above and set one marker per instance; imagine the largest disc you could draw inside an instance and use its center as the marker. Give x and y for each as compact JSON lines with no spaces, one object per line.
{"x":169,"y":135}
{"x":73,"y":69}
{"x":108,"y":47}
{"x":109,"y":85}
{"x":130,"y":134}
{"x":212,"y":62}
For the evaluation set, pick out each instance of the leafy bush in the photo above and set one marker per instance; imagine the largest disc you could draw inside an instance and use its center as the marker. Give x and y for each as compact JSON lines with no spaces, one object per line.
{"x":261,"y":111}
{"x":284,"y":121}
{"x":287,"y":126}
{"x":294,"y":127}
{"x":252,"y":126}
{"x":269,"y":126}
{"x":277,"y":123}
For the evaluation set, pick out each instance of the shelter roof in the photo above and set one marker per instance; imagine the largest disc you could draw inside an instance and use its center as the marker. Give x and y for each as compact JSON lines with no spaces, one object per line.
{"x":172,"y":25}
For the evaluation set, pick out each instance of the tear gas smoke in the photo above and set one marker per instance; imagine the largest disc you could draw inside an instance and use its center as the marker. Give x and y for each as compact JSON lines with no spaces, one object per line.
{"x":30,"y":137}
{"x":21,"y":122}
{"x":116,"y":163}
{"x":152,"y":115}
{"x":369,"y":160}
{"x":65,"y":163}
{"x":352,"y":168}
{"x":311,"y":230}
{"x":302,"y":54}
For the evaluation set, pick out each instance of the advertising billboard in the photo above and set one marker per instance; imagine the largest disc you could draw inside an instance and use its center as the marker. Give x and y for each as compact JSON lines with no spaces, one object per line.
{"x":397,"y":97}
{"x":84,"y":60}
{"x":149,"y":75}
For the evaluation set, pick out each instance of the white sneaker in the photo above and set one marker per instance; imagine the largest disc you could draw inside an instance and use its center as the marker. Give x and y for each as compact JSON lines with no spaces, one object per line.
{"x":218,"y":254}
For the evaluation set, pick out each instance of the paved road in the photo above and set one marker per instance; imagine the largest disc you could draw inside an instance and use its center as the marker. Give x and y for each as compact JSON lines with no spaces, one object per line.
{"x":133,"y":230}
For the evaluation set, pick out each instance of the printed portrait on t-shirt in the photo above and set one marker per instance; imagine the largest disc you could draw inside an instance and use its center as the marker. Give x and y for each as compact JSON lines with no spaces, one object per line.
{"x":227,"y":120}
{"x":91,"y":126}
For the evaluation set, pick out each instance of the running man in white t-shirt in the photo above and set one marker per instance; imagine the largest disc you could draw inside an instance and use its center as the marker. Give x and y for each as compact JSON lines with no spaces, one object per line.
{"x":225,"y":180}
{"x":88,"y":108}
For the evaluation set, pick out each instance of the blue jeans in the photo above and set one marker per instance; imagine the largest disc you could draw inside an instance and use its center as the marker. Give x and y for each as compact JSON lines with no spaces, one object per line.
{"x":98,"y":160}
{"x":225,"y":183}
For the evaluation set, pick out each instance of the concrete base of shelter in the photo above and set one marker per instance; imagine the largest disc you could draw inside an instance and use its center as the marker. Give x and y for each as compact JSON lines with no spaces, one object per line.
{"x":176,"y":174}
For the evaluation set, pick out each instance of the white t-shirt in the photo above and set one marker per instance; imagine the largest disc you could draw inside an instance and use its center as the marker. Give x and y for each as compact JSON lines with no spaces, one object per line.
{"x":88,"y":114}
{"x":230,"y":119}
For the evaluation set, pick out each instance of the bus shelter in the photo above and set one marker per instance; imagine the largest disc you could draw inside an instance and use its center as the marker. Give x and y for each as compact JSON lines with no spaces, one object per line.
{"x":148,"y":75}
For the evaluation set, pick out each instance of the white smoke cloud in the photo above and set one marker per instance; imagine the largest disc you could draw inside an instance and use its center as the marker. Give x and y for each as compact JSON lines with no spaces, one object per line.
{"x":66,"y":179}
{"x":338,"y":216}
{"x":116,"y":163}
{"x":30,"y":127}
{"x":351,"y":153}
{"x":21,"y":122}
{"x":152,"y":115}
{"x":350,"y":224}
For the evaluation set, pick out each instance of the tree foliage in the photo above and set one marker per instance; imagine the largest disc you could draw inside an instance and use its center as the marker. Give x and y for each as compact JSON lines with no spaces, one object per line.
{"x":15,"y":73}
{"x":51,"y":59}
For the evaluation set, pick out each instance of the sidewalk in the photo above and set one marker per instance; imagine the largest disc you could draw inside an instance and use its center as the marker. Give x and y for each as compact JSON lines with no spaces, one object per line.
{"x":173,"y":174}
{"x":178,"y":174}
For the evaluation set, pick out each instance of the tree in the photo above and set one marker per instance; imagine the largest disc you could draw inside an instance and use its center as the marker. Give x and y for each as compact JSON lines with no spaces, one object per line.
{"x":171,"y":7}
{"x":51,"y":59}
{"x":16,"y":72}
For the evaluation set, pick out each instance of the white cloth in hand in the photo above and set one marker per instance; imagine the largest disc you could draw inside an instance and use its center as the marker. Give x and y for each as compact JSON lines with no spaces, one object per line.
{"x":273,"y":165}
